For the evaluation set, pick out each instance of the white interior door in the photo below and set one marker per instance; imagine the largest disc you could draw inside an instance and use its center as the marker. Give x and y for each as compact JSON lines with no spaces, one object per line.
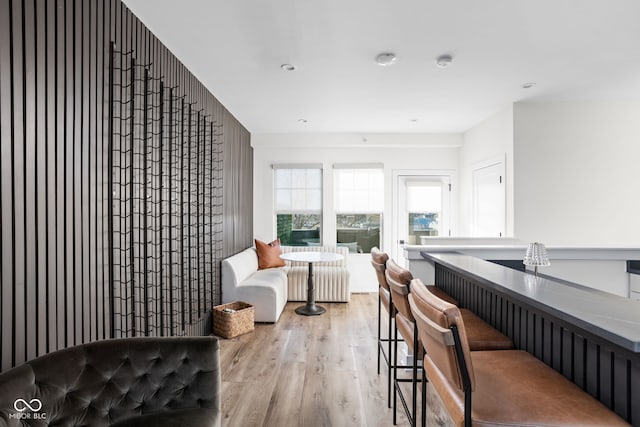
{"x":421,"y":210}
{"x":489,"y":201}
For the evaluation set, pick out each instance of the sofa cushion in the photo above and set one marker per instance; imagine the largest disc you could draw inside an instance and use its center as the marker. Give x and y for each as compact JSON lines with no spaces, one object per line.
{"x":267,"y":276}
{"x":266,"y":290}
{"x":269,"y":254}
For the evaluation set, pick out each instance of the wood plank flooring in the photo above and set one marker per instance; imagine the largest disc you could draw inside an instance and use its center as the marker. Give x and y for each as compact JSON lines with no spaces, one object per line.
{"x":308,"y":371}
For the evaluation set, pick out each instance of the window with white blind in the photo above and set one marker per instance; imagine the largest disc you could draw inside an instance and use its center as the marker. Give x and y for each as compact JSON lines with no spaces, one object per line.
{"x":359,"y":203}
{"x":424,"y":205}
{"x":298,"y":204}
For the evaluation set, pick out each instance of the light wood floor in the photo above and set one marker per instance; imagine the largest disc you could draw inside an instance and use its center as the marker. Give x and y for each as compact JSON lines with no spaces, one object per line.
{"x":308,"y":371}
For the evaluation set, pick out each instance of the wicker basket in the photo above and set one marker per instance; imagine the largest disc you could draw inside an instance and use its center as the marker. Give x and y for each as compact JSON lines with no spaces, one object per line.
{"x":229,"y":325}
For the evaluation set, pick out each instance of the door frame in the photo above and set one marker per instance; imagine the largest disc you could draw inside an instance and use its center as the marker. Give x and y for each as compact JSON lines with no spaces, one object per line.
{"x":395,"y":194}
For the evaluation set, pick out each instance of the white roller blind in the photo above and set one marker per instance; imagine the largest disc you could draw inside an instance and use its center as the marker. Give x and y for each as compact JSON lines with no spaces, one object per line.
{"x":298,"y":190}
{"x":424,"y":197}
{"x":359,"y":190}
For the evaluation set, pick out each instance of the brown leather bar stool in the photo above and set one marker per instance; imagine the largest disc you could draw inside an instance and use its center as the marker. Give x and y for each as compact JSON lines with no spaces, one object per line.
{"x":379,"y":261}
{"x":398,"y":280}
{"x":489,"y":388}
{"x":481,"y":336}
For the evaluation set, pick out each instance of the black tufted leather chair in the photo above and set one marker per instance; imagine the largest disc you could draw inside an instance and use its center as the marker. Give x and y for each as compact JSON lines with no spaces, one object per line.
{"x":122,"y":382}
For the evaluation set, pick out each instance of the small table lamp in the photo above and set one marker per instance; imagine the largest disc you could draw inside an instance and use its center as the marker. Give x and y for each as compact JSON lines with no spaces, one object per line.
{"x":536,"y":256}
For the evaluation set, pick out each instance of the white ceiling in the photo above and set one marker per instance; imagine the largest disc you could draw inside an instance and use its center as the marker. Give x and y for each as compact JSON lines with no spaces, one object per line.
{"x":572,"y":49}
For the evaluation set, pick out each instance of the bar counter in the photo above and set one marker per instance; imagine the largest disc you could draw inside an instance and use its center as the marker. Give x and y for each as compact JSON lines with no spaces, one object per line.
{"x":591,"y":337}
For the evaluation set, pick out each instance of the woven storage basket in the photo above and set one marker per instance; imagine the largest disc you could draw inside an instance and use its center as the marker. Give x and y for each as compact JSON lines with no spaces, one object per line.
{"x":229,"y":325}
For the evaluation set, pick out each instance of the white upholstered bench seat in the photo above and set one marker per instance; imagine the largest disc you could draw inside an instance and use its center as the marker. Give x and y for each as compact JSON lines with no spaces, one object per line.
{"x":269,"y":290}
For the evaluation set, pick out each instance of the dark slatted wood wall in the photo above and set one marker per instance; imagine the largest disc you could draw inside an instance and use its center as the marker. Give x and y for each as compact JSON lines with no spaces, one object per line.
{"x":54,"y":175}
{"x":606,"y":371}
{"x":238,"y":188}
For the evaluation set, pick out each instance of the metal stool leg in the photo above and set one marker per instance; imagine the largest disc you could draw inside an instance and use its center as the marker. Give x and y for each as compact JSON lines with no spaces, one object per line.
{"x":379,"y":327}
{"x":424,"y":398}
{"x":395,"y":375}
{"x":414,"y":375}
{"x":392,"y":360}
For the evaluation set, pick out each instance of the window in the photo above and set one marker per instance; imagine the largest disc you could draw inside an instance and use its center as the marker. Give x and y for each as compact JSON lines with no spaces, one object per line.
{"x":298,"y":204}
{"x":359,"y":203}
{"x":424,"y":205}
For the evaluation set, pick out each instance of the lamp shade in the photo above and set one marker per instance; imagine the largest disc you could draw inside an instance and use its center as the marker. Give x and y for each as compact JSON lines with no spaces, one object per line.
{"x":536,"y":255}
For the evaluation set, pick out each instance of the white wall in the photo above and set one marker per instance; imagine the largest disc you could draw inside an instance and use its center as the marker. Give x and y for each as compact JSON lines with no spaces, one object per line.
{"x":490,"y":139}
{"x":577,"y":173}
{"x":396,"y":152}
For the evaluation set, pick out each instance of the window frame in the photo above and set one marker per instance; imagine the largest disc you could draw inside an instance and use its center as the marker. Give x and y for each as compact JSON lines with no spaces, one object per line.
{"x":340,"y":211}
{"x":293,"y":211}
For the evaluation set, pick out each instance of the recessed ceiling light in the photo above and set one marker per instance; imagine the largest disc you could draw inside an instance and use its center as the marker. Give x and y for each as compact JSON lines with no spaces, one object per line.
{"x":288,"y":67}
{"x":443,"y":61}
{"x":302,"y":120}
{"x":385,"y":59}
{"x":528,"y":85}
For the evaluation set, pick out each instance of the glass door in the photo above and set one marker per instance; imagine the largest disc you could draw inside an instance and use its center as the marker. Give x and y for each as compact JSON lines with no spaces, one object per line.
{"x":422,"y":210}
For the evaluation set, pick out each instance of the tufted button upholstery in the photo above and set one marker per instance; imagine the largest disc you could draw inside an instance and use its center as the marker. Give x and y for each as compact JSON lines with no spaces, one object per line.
{"x":120,"y":382}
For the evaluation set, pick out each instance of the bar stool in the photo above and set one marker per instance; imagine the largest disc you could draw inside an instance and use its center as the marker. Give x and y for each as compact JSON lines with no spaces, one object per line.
{"x":482,"y":336}
{"x":379,"y":261}
{"x":506,"y":388}
{"x":398,"y":280}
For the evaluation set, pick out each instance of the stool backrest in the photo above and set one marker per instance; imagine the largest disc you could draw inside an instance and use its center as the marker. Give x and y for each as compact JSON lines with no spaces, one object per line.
{"x":435,"y":318}
{"x":379,"y":262}
{"x":399,"y":279}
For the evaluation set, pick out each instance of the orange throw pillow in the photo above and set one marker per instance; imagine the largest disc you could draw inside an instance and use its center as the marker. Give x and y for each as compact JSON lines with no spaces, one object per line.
{"x":269,"y":254}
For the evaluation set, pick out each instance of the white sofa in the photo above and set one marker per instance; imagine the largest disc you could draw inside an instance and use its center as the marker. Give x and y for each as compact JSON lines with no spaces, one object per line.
{"x":266,"y":289}
{"x":269,"y":290}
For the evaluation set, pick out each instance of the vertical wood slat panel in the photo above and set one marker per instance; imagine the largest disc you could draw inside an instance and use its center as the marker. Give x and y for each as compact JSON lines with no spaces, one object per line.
{"x":619,"y":385}
{"x":580,"y":372}
{"x":67,"y":188}
{"x":18,"y":202}
{"x":195,"y":297}
{"x":60,"y":150}
{"x":6,"y":190}
{"x":30,"y":233}
{"x":97,"y":55}
{"x":51,"y":174}
{"x":41,"y":179}
{"x":633,"y":386}
{"x":90,"y":33}
{"x":86,"y":283}
{"x":606,"y":377}
{"x":53,"y":211}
